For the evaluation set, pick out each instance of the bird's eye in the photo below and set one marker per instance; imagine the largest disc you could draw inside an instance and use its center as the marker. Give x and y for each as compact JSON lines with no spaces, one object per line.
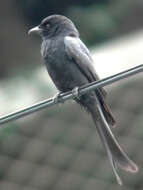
{"x":47,"y":25}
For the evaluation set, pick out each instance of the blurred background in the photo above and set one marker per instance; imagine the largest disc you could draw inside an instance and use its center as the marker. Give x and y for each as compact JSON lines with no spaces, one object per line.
{"x":59,"y":148}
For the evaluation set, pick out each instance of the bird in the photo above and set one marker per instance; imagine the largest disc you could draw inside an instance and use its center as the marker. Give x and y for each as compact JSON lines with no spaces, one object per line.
{"x":70,"y":66}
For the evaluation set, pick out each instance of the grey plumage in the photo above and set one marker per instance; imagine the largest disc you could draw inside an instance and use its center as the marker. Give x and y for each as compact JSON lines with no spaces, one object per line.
{"x":69,"y":64}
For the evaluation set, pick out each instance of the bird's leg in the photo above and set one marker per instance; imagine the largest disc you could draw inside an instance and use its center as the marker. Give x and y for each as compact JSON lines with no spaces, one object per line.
{"x":75,"y":93}
{"x":56,"y":98}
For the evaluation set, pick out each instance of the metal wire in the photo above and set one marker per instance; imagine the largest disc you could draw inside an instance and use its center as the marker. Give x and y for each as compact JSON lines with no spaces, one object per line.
{"x":69,"y":95}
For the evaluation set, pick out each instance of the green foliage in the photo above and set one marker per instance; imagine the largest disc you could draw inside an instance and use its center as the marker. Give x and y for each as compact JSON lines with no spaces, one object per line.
{"x":35,"y":9}
{"x":95,"y":23}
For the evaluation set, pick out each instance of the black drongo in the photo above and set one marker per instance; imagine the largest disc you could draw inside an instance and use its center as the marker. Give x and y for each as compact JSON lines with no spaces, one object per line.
{"x":70,"y":65}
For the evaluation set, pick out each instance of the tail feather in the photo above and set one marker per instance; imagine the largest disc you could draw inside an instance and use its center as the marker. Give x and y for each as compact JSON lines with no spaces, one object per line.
{"x":115,"y":153}
{"x":106,"y":109}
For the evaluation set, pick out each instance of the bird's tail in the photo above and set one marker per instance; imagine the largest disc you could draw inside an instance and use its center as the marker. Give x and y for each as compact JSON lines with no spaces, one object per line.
{"x":115,"y":153}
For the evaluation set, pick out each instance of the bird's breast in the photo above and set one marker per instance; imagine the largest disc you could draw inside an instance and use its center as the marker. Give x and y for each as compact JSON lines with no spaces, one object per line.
{"x":63,"y":71}
{"x":57,"y":64}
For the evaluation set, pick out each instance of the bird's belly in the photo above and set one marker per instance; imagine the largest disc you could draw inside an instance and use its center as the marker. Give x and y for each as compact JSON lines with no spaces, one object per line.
{"x":65,"y":75}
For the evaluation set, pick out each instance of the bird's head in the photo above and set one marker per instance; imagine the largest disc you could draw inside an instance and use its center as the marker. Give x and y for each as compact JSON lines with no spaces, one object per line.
{"x":55,"y":25}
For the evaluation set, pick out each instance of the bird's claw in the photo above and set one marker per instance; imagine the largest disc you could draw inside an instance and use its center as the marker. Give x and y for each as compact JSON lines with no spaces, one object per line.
{"x":56,"y":98}
{"x":75,"y":93}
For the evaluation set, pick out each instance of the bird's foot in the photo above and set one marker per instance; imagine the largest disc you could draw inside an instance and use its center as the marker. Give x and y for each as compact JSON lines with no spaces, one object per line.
{"x":56,"y":98}
{"x":75,"y":93}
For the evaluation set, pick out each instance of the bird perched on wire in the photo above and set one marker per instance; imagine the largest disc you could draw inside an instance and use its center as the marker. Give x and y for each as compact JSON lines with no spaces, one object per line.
{"x":70,"y":66}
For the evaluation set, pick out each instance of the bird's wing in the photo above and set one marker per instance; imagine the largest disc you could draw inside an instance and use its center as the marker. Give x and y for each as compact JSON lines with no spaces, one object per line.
{"x":77,"y":51}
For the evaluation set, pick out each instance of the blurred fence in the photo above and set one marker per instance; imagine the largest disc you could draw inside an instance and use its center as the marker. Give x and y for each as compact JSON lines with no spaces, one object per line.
{"x":59,"y":149}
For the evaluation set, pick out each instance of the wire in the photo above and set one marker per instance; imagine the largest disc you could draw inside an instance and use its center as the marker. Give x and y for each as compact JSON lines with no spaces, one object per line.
{"x":69,"y":95}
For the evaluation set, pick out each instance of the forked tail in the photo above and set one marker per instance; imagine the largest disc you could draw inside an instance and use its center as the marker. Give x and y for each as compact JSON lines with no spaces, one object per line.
{"x":115,"y":153}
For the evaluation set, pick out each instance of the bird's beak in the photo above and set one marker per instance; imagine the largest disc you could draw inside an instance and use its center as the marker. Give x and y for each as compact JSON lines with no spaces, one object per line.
{"x":36,"y":30}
